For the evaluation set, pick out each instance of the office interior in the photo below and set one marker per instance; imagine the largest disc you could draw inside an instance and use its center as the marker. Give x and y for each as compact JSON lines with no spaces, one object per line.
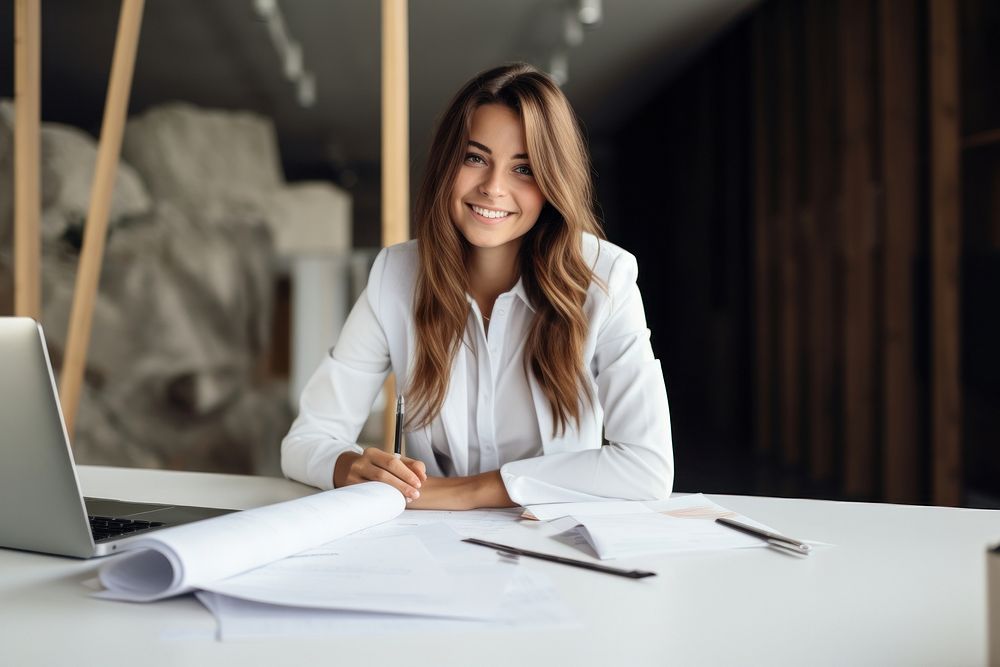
{"x":810,"y":188}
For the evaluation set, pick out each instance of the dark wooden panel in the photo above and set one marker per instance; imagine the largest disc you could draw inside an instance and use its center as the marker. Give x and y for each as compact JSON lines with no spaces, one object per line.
{"x":898,"y":86}
{"x":946,"y":396}
{"x":858,"y":245}
{"x":763,"y":206}
{"x":820,"y":223}
{"x":789,"y":305}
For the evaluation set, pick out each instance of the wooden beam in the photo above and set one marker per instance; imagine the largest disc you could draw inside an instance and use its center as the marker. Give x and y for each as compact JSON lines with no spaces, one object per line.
{"x":395,"y":149}
{"x":395,"y":123}
{"x":901,"y":459}
{"x":858,"y":246}
{"x":95,"y":232}
{"x":946,"y":240}
{"x":27,"y":174}
{"x":788,"y":237}
{"x":821,"y":222}
{"x":762,"y":207}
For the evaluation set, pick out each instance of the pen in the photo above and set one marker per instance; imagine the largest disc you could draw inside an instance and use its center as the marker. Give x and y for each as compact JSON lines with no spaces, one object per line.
{"x":631,"y":574}
{"x":397,"y":446}
{"x":774,"y":539}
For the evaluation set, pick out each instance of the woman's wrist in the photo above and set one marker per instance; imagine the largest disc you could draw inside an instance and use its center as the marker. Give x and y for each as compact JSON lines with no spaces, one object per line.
{"x":341,"y":468}
{"x":488,"y":490}
{"x":463,"y":493}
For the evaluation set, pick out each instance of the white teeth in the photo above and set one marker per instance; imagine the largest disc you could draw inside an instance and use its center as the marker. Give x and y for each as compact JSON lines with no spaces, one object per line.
{"x":487,"y":213}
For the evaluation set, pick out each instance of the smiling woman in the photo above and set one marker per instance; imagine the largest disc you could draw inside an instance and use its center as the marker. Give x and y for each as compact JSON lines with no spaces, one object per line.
{"x":517,"y":333}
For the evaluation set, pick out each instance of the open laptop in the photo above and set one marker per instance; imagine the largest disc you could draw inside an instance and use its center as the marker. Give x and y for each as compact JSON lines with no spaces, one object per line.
{"x":41,"y":507}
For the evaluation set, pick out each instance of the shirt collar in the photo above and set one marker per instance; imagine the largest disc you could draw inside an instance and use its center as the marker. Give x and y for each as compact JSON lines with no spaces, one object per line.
{"x":517,"y":290}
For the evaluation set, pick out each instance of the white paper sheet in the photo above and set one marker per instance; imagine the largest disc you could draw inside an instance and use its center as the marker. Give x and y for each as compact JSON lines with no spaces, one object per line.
{"x":394,"y":574}
{"x":530,"y":601}
{"x":468,"y":523}
{"x":677,"y":525}
{"x":177,"y":560}
{"x":551,"y":511}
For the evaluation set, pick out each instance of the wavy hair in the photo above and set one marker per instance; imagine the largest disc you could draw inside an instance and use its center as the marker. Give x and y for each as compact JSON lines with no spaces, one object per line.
{"x":555,"y":276}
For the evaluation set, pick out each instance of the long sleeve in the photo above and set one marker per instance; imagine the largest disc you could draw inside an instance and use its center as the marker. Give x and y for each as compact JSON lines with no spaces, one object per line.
{"x":338,"y":397}
{"x":637,"y":463}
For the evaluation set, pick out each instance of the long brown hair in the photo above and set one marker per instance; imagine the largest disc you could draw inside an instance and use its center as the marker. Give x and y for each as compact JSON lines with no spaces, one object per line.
{"x":553,"y":271}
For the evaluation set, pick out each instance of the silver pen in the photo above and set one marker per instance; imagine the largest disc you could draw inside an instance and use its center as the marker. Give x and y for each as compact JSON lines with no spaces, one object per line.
{"x":774,"y":539}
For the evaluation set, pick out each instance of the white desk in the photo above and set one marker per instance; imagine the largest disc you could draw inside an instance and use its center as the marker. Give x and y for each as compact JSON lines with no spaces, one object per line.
{"x":903,"y":586}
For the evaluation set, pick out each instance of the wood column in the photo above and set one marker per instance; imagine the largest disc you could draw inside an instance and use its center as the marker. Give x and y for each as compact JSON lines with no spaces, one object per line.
{"x":901,"y":456}
{"x":946,"y":237}
{"x":821,"y":223}
{"x":858,"y":247}
{"x":762,"y":206}
{"x":95,"y":232}
{"x":789,"y":304}
{"x":27,"y":172}
{"x":395,"y":150}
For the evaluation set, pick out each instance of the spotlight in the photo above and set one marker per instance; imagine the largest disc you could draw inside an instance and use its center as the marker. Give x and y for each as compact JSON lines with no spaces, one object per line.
{"x":305,"y":90}
{"x":590,"y":12}
{"x":559,"y":67}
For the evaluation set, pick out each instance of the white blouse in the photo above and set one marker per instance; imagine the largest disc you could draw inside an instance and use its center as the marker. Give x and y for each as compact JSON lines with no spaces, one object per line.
{"x":502,"y":424}
{"x":494,"y":416}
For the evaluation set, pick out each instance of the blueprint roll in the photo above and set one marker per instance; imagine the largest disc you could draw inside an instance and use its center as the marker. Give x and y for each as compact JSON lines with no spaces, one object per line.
{"x":178,"y":560}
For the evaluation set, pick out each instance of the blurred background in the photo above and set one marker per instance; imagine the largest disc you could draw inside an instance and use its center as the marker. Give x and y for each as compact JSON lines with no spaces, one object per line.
{"x":811,"y":187}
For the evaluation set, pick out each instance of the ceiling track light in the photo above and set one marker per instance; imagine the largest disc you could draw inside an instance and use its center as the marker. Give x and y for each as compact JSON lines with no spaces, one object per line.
{"x":572,"y":28}
{"x":292,"y":61}
{"x":590,"y":12}
{"x":265,"y":8}
{"x":559,"y":67}
{"x":289,"y":51}
{"x":305,"y":90}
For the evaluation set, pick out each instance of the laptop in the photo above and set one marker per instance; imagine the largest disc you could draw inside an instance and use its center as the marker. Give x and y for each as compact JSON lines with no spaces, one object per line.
{"x":41,"y":506}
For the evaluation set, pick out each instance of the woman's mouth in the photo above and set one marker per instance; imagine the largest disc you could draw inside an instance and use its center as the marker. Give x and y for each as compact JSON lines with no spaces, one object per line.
{"x":489,"y":214}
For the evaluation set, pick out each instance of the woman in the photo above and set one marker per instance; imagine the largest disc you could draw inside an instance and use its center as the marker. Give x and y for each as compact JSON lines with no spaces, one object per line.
{"x":515,"y":333}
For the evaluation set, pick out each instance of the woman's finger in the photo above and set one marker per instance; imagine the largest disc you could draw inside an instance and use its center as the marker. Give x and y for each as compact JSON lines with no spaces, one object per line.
{"x":417,"y":467}
{"x":377,"y":474}
{"x":398,"y":468}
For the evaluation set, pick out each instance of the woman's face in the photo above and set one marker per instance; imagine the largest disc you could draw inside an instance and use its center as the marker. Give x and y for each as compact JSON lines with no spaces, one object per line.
{"x":495,"y":199}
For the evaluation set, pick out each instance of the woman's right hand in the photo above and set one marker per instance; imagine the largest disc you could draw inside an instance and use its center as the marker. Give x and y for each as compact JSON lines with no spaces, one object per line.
{"x":374,"y":465}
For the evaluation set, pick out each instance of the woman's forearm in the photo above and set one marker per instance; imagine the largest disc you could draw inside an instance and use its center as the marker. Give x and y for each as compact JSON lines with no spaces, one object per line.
{"x":463,"y":493}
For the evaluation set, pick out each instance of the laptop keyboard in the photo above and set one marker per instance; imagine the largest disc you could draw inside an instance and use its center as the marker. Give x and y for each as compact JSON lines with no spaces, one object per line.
{"x":106,"y":527}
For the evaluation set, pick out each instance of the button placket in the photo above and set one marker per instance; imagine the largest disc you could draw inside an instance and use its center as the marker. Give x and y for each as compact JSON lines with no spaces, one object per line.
{"x":498,"y":333}
{"x":484,"y":413}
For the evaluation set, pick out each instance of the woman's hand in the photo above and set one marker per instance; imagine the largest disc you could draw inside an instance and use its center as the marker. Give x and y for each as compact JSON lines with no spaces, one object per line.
{"x":374,"y":465}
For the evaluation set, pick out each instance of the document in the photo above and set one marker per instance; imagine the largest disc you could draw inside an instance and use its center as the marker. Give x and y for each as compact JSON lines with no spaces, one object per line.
{"x":177,"y":560}
{"x":395,"y":574}
{"x":514,"y":596}
{"x":551,"y":511}
{"x":466,"y":523}
{"x":530,"y":601}
{"x":676,"y":525}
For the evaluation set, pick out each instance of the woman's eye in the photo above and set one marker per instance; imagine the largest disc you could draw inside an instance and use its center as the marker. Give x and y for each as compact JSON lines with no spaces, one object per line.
{"x":472,"y":158}
{"x":524,"y":170}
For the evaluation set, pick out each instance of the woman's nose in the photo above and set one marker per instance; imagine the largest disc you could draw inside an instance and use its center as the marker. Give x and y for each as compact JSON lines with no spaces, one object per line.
{"x":492,"y":184}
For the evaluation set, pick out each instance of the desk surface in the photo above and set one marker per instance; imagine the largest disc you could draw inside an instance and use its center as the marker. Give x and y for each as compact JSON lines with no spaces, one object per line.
{"x":905,"y":585}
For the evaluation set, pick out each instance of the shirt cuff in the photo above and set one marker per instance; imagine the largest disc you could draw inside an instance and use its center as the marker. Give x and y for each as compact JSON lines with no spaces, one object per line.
{"x":525,"y":490}
{"x":320,"y":473}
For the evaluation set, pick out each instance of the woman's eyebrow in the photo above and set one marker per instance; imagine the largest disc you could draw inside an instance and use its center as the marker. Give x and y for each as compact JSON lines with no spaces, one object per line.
{"x":481,"y":147}
{"x":486,"y":149}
